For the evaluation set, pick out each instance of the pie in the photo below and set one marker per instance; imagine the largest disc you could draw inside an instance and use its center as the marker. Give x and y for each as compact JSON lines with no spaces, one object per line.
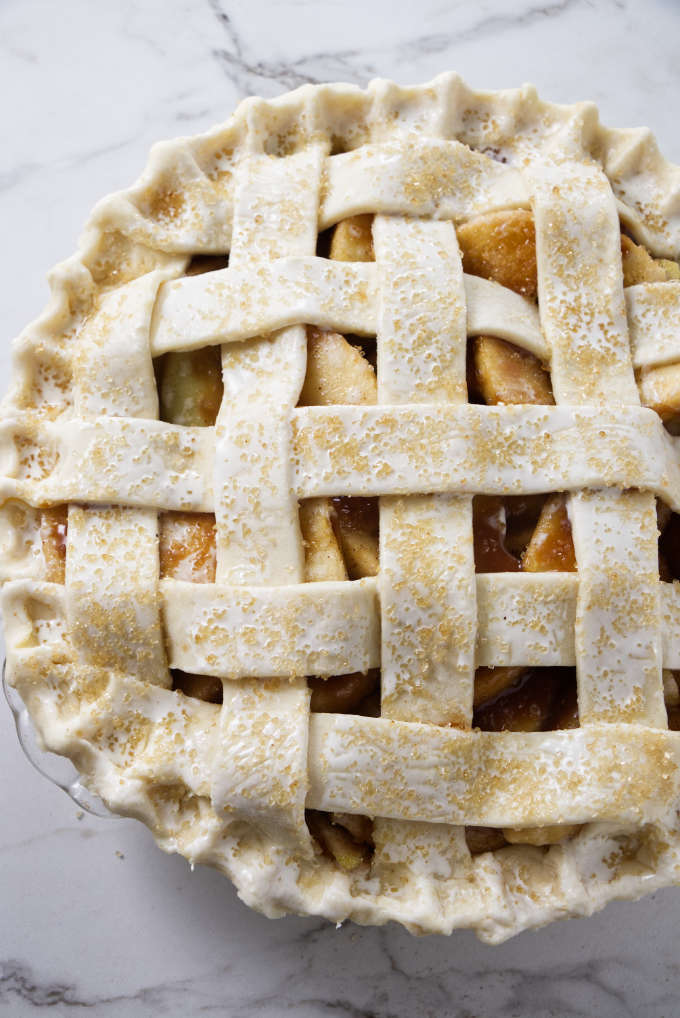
{"x":341,"y":507}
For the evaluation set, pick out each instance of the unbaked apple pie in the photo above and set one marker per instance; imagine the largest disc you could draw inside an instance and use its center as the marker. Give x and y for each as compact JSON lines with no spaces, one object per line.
{"x":341,"y":506}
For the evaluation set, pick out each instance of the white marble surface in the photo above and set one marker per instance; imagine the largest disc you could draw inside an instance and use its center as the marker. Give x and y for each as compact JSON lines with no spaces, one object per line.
{"x":91,"y":913}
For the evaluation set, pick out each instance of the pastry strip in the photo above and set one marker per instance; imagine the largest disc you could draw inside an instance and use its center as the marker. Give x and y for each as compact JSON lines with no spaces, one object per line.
{"x":353,"y":450}
{"x":492,"y":779}
{"x":258,"y":531}
{"x":112,"y":552}
{"x":583,"y":315}
{"x":229,"y":305}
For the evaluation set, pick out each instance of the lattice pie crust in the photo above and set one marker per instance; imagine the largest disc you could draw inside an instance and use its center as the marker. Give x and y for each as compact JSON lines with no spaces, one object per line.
{"x":244,"y":784}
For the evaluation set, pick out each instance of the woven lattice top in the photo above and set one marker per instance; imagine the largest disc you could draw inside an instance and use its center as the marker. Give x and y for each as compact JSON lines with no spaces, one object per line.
{"x":229,"y":784}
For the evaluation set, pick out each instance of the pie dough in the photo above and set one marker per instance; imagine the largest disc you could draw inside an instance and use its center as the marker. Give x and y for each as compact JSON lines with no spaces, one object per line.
{"x":228,"y":785}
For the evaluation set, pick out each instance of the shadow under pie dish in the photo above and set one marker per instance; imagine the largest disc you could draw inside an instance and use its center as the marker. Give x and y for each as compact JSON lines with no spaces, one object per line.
{"x":341,"y":507}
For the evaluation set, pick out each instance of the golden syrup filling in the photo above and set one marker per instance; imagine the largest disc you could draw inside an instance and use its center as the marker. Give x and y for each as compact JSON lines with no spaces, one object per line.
{"x":514,"y":533}
{"x":669,"y":543}
{"x":357,"y":693}
{"x":523,"y":700}
{"x":202,"y":687}
{"x":671,"y":690}
{"x":206,"y":263}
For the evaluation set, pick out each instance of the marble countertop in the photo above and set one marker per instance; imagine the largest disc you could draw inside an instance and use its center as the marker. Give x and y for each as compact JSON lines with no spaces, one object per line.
{"x":93,"y":915}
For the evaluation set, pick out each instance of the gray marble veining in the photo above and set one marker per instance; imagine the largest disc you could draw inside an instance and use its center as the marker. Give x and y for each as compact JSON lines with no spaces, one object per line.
{"x":94,"y":917}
